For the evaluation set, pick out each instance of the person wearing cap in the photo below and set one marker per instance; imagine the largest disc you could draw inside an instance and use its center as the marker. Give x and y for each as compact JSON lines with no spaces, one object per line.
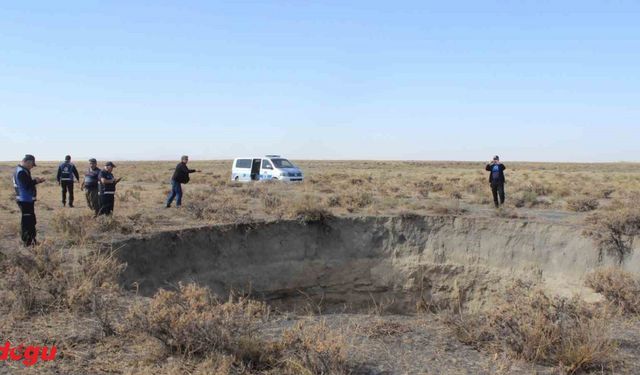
{"x":107,"y":187}
{"x":497,"y":180}
{"x":66,"y":173}
{"x":180,"y":176}
{"x":26,"y":193}
{"x":90,"y":186}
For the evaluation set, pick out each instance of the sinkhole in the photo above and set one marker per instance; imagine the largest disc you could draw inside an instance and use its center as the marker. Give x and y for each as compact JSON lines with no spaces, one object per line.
{"x":360,"y":263}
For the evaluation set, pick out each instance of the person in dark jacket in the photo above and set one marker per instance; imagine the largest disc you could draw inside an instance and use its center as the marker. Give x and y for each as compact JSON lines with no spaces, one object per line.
{"x":497,"y":180}
{"x":180,"y":176}
{"x":90,"y":186}
{"x":107,"y":184}
{"x":66,"y":173}
{"x":26,"y":194}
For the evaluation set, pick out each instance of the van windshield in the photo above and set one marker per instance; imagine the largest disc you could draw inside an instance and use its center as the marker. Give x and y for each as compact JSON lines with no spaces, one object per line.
{"x":282,"y":163}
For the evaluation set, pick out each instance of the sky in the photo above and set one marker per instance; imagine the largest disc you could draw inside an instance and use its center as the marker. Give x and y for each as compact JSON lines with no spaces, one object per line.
{"x":401,"y":80}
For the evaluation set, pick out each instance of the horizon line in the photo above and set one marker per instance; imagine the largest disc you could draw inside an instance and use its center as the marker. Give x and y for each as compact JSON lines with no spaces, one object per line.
{"x":336,"y":160}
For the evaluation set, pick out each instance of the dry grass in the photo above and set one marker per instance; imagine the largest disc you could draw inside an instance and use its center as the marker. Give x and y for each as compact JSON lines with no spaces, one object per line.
{"x":341,"y":187}
{"x":619,"y":287}
{"x":615,"y":230}
{"x":313,"y":348}
{"x":379,"y":328}
{"x":309,"y":210}
{"x":191,"y":321}
{"x":530,"y":325}
{"x":582,"y":204}
{"x":67,"y":278}
{"x":49,"y":279}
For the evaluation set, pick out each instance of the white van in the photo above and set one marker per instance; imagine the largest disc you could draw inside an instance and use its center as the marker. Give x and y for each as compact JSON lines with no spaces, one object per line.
{"x":269,"y":167}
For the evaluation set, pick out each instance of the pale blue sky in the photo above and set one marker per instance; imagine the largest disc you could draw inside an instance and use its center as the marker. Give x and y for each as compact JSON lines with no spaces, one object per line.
{"x":529,"y":80}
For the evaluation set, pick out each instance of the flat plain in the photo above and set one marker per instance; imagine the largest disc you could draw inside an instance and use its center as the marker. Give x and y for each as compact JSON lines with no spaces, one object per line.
{"x":429,"y":216}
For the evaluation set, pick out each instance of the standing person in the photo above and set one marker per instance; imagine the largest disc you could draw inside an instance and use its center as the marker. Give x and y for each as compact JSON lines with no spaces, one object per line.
{"x":497,"y":180}
{"x":90,"y":186}
{"x":107,"y":183}
{"x":180,"y":176}
{"x":26,"y":194}
{"x":66,"y":172}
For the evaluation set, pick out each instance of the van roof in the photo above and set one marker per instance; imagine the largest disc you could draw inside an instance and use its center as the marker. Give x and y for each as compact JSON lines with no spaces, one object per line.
{"x":260,"y":157}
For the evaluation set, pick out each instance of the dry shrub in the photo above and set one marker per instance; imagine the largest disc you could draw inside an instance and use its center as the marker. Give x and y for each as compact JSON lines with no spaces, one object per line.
{"x":313,"y":349}
{"x":335,"y":200}
{"x":380,"y":328}
{"x":220,"y":210}
{"x":455,"y":194}
{"x":582,"y":204}
{"x":93,"y":280}
{"x":530,"y":325}
{"x":191,"y":321}
{"x":34,"y":280}
{"x":22,"y":293}
{"x":614,"y":231}
{"x":212,"y":365}
{"x":112,"y":224}
{"x":539,"y":188}
{"x":309,"y":209}
{"x":423,"y":188}
{"x":307,"y":348}
{"x":526,"y":199}
{"x":618,"y":286}
{"x":357,"y":200}
{"x":271,"y":201}
{"x":218,"y":365}
{"x":48,"y":277}
{"x":78,"y":230}
{"x":607,"y":193}
{"x":74,"y":229}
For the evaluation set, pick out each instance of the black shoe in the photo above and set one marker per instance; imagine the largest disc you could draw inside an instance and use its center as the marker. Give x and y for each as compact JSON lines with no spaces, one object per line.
{"x":70,"y":205}
{"x":168,"y":206}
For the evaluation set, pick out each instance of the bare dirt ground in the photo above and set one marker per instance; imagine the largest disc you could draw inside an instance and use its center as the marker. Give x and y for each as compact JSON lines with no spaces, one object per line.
{"x":547,"y":234}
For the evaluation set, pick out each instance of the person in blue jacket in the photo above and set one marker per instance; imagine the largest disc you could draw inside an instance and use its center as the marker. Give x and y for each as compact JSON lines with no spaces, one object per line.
{"x":26,"y":194}
{"x":66,"y":174}
{"x":497,"y":180}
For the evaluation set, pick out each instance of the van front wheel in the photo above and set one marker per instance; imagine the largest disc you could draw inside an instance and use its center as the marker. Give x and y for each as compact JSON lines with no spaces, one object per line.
{"x":237,"y":178}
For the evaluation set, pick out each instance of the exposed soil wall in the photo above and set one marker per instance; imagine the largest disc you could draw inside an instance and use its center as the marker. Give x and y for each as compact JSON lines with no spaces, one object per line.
{"x":355,"y":263}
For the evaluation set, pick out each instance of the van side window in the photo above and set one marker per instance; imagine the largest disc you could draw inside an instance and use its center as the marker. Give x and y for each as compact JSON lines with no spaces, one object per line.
{"x":266,"y":164}
{"x":243,"y":163}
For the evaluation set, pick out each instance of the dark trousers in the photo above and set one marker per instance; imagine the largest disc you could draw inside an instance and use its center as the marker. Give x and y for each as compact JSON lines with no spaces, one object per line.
{"x":93,"y":198}
{"x":106,"y":204}
{"x":67,"y":186}
{"x":28,"y":223}
{"x":498,"y":192}
{"x":176,"y":192}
